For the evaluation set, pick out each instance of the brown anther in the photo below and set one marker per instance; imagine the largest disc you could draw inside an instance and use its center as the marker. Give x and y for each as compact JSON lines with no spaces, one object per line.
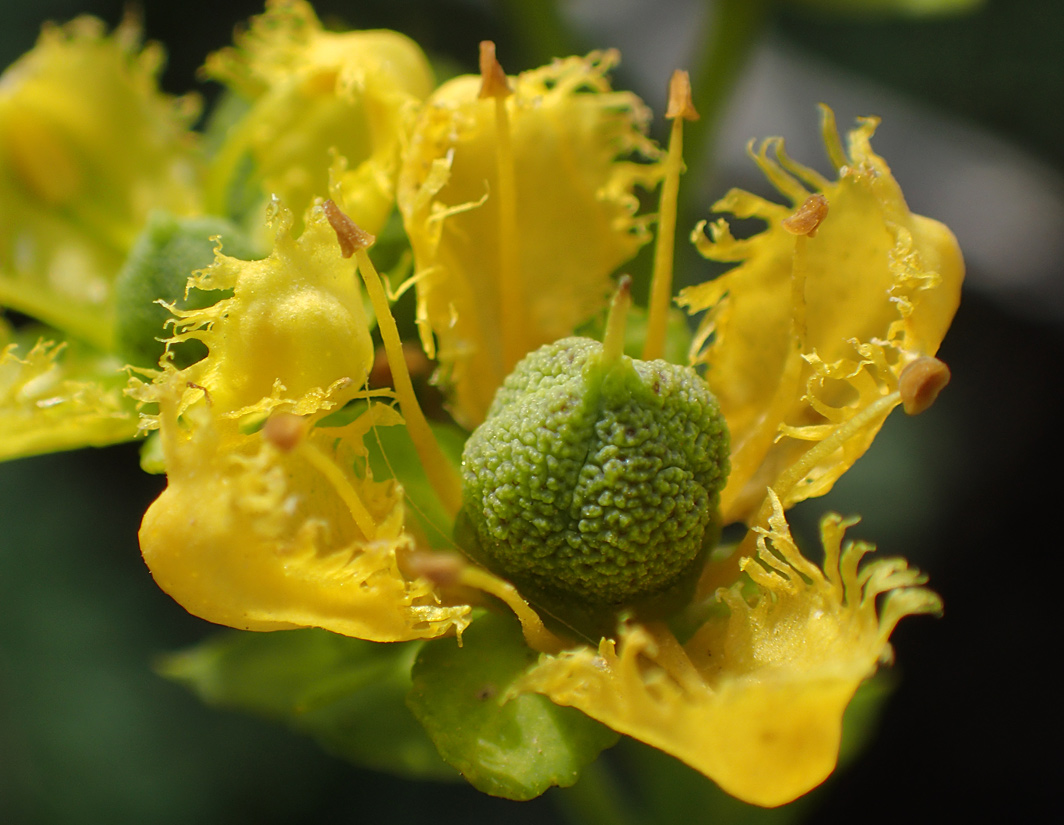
{"x":442,"y":569}
{"x":921,"y":382}
{"x":284,"y":431}
{"x":680,"y":103}
{"x":493,"y":82}
{"x":808,"y":216}
{"x":350,"y":236}
{"x":417,"y":364}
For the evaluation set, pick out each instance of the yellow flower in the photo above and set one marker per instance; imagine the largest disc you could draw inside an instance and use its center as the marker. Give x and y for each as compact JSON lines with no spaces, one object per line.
{"x":95,"y":162}
{"x":519,"y":204}
{"x":519,"y":200}
{"x":806,"y":339}
{"x":807,"y":342}
{"x":271,"y":518}
{"x":313,"y":93}
{"x":59,"y":396}
{"x":88,"y":147}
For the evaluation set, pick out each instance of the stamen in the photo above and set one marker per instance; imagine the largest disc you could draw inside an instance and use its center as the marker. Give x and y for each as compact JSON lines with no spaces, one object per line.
{"x":285,"y":431}
{"x":339,"y":482}
{"x":535,"y":632}
{"x":617,"y":321}
{"x":680,"y":109}
{"x":672,"y":657}
{"x":793,"y":475}
{"x":441,"y":475}
{"x":351,"y":237}
{"x":808,"y":217}
{"x":921,"y":382}
{"x":511,"y":299}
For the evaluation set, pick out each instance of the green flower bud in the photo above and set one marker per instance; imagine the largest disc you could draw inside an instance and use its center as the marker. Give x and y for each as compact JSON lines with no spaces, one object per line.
{"x":595,"y":480}
{"x":166,"y":253}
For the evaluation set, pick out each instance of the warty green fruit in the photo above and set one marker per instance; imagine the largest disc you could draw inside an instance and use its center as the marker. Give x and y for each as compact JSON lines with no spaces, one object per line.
{"x":595,"y":479}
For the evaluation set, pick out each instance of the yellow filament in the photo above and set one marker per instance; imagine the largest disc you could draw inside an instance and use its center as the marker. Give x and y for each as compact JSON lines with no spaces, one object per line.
{"x":441,"y":475}
{"x":335,"y":476}
{"x":722,"y":574}
{"x":661,"y":284}
{"x":671,"y":656}
{"x":536,"y":634}
{"x":613,"y":340}
{"x":790,"y":478}
{"x":511,"y":297}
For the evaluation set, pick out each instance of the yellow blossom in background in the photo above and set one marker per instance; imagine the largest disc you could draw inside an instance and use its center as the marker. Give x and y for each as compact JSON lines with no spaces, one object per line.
{"x":88,"y":147}
{"x":312,"y":93}
{"x":507,"y":264}
{"x":268,"y":521}
{"x":59,"y":396}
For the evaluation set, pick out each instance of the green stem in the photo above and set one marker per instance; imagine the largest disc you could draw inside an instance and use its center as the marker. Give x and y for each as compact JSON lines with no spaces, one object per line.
{"x":733,"y":29}
{"x":540,"y":30}
{"x":596,"y":798}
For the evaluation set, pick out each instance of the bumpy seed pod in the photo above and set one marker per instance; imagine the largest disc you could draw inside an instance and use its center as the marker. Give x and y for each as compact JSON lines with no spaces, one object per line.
{"x":166,"y":253}
{"x":595,"y":479}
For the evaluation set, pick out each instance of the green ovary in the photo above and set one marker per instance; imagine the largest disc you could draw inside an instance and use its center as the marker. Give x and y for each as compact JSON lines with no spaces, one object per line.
{"x":596,"y":478}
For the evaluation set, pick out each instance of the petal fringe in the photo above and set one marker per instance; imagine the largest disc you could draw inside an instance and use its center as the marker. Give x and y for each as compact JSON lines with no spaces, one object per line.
{"x":804,"y":340}
{"x":754,"y":699}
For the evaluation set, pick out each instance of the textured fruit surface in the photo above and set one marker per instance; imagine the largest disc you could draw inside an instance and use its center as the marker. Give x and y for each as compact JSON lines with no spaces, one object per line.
{"x":596,"y":478}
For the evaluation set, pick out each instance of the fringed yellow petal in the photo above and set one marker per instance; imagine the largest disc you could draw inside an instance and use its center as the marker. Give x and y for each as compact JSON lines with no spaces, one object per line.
{"x":60,"y":397}
{"x":271,"y":518}
{"x":314,"y":93}
{"x":295,"y":324}
{"x":254,"y":536}
{"x":573,"y":143}
{"x":88,"y":147}
{"x":806,"y":338}
{"x":755,"y":699}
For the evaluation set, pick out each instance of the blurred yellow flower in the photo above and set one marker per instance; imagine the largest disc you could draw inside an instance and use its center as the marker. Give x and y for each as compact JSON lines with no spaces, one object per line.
{"x":88,"y":148}
{"x":58,"y":397}
{"x":313,"y":93}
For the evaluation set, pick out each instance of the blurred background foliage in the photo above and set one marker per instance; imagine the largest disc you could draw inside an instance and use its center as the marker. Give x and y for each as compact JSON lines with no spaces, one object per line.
{"x":89,"y":733}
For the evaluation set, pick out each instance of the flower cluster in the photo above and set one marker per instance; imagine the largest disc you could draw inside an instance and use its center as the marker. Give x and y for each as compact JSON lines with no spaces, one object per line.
{"x":303,"y":492}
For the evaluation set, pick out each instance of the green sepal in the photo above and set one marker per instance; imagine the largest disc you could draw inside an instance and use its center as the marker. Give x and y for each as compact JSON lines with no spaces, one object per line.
{"x":348,"y":694}
{"x":513,"y":746}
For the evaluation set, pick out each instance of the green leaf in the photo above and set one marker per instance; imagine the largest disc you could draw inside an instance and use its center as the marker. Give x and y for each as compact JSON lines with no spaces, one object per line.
{"x":392,"y":454}
{"x":511,"y":746}
{"x":346,"y":693}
